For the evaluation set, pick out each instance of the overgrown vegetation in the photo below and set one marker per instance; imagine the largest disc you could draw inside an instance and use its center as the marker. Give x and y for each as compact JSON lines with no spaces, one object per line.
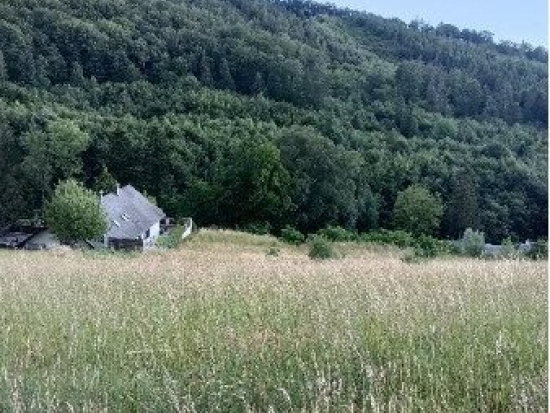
{"x":244,"y":112}
{"x":292,"y":236}
{"x":218,"y":326}
{"x":471,"y":243}
{"x":73,"y":213}
{"x":172,"y":239}
{"x":321,"y":249}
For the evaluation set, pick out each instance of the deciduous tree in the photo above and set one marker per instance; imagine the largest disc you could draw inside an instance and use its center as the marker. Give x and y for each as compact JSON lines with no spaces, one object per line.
{"x":74,"y":213}
{"x":417,"y":211}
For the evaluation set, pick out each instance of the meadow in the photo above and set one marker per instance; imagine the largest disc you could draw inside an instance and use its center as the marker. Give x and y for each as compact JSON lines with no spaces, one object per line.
{"x":221,"y":325}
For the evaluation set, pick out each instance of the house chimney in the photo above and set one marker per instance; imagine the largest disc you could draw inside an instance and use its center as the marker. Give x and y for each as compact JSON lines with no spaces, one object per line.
{"x":117,"y":188}
{"x":101,"y":195}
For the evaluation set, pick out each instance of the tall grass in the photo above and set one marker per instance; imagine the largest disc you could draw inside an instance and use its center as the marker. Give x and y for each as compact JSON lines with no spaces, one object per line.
{"x":223,"y":327}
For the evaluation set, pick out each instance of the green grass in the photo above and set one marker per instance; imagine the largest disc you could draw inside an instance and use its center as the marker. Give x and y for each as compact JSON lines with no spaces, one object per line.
{"x":219,"y":327}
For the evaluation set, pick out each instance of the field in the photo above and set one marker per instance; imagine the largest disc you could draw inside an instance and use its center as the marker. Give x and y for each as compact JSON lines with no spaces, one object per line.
{"x":221,"y":325}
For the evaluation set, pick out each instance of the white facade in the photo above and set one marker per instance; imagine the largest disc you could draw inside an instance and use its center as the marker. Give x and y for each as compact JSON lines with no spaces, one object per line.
{"x":150,"y":237}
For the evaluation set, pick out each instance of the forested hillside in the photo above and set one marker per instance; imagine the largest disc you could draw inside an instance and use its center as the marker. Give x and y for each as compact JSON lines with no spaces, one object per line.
{"x":245,"y":112}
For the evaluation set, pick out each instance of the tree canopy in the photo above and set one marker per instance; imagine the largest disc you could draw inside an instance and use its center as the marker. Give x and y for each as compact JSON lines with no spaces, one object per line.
{"x":417,"y":211}
{"x":74,"y":213}
{"x":286,"y":112}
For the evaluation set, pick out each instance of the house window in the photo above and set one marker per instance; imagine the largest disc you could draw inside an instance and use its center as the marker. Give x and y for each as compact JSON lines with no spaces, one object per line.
{"x":148,"y":234}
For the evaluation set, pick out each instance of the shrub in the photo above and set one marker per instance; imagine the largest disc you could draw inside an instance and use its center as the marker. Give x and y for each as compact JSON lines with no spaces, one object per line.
{"x":411,"y":257}
{"x":321,"y":249}
{"x":274,"y":250}
{"x":292,"y":236}
{"x":427,"y":247}
{"x":337,"y":234}
{"x":258,"y":228}
{"x":399,"y":238}
{"x":508,"y":250}
{"x":74,"y":213}
{"x":172,"y":239}
{"x":539,"y":250}
{"x":472,"y":243}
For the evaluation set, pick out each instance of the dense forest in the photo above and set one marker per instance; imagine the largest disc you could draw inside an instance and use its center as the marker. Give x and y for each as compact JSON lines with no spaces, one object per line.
{"x":271,"y":112}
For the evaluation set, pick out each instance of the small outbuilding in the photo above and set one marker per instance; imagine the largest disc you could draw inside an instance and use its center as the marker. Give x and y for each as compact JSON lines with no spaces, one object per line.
{"x":43,"y":240}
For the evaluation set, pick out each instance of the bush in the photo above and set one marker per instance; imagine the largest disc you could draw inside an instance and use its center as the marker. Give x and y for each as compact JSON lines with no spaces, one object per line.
{"x":274,"y":250}
{"x":74,"y":213}
{"x":399,"y":238}
{"x":321,"y":249}
{"x":508,"y":250}
{"x":427,"y":247}
{"x":258,"y":228}
{"x":539,"y":251}
{"x":172,"y":239}
{"x":337,"y":234}
{"x":472,"y":243}
{"x":291,"y":235}
{"x":411,"y":257}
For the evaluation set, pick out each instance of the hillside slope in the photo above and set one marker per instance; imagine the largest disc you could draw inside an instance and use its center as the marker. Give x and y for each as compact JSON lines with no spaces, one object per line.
{"x":240,"y":112}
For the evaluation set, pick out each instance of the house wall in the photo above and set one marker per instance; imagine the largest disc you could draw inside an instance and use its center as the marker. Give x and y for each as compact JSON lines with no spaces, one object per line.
{"x":154,"y":233}
{"x":126,"y":244}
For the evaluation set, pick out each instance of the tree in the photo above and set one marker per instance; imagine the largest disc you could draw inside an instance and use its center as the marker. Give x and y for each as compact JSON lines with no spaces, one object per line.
{"x":462,"y":208}
{"x":255,"y":183}
{"x":74,"y":213}
{"x":417,"y":211}
{"x":326,"y":181}
{"x":204,"y":74}
{"x":3,"y":68}
{"x":105,"y":181}
{"x":258,"y":87}
{"x":77,"y":75}
{"x":225,"y":77}
{"x":409,"y":80}
{"x":54,"y":154}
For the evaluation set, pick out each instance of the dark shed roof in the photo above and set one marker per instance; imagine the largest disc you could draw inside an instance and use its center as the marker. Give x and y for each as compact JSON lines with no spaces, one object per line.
{"x":130,"y":214}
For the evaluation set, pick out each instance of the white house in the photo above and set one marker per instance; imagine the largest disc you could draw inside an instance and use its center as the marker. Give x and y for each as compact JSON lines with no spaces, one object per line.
{"x":134,"y":222}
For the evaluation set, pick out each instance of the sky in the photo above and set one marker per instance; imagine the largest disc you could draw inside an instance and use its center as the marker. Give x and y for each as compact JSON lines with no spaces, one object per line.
{"x":514,"y":20}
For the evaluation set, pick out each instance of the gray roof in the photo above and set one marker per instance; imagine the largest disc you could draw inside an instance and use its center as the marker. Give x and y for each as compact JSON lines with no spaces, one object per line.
{"x":130,"y":214}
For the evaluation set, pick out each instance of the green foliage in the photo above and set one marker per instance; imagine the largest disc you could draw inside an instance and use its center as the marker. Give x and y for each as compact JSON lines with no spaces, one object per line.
{"x":412,"y":257}
{"x":429,"y":247}
{"x":426,"y":247}
{"x":327,"y":181}
{"x":508,"y":249}
{"x":291,"y":235}
{"x":472,"y":243}
{"x":256,"y":325}
{"x":53,"y":154}
{"x":172,"y":239}
{"x":258,"y":228}
{"x":539,"y":250}
{"x":105,"y":182}
{"x":3,"y":69}
{"x":245,"y":119}
{"x":461,"y":211}
{"x":321,"y":248}
{"x":254,"y":182}
{"x":74,"y":214}
{"x":417,"y":211}
{"x":401,"y":239}
{"x":274,"y":250}
{"x":337,"y":234}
